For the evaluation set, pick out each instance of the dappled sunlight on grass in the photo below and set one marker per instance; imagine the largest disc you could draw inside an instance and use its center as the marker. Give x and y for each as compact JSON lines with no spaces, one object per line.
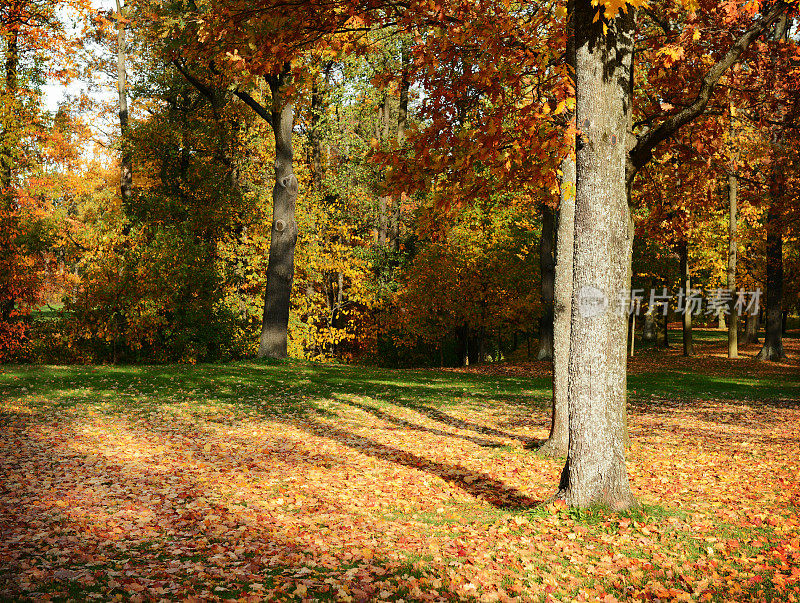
{"x":299,"y":481}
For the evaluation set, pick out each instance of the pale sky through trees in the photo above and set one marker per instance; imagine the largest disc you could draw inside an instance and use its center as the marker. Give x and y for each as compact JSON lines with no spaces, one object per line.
{"x":56,"y":93}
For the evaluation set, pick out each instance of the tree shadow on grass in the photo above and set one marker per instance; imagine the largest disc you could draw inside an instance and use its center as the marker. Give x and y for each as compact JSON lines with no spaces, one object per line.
{"x":389,"y":418}
{"x":70,"y":544}
{"x":475,"y":483}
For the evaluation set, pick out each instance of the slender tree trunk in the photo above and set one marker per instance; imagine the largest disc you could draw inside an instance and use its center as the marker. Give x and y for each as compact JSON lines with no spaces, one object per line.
{"x":773,"y":341}
{"x":547,"y":269}
{"x":8,"y":152}
{"x":280,"y":267}
{"x":126,"y":161}
{"x":632,"y":333}
{"x":315,"y":137}
{"x":649,"y":329}
{"x":733,"y":317}
{"x":558,"y":440}
{"x":666,"y":328}
{"x":402,"y":124}
{"x":686,"y":283}
{"x":595,"y":471}
{"x":384,"y":201}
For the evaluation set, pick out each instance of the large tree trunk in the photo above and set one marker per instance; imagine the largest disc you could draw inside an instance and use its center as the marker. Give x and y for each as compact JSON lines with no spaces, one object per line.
{"x":595,"y":471}
{"x":126,"y":162}
{"x":733,"y":317}
{"x":558,"y":440}
{"x":547,"y":268}
{"x":773,"y":341}
{"x":280,"y":267}
{"x":686,"y":283}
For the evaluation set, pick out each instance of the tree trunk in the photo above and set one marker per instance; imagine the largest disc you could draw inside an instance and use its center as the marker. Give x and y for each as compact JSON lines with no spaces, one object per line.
{"x":751,"y":328}
{"x":280,"y":267}
{"x":666,"y":328}
{"x":384,"y":201}
{"x":686,"y":283}
{"x":402,"y":124}
{"x":314,"y":135}
{"x":547,"y":268}
{"x":595,"y":471}
{"x":558,"y":440}
{"x":126,"y":161}
{"x":649,"y":328}
{"x":632,"y":333}
{"x":773,"y":341}
{"x":733,"y":317}
{"x":8,"y":152}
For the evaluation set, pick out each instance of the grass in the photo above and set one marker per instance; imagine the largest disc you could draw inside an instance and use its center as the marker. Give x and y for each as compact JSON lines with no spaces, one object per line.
{"x":300,"y":481}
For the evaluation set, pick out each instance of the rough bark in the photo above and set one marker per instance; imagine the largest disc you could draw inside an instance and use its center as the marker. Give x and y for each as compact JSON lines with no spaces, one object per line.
{"x":558,"y":440}
{"x":126,"y":160}
{"x":686,"y":283}
{"x":733,"y":316}
{"x":280,"y":267}
{"x":595,"y":471}
{"x":547,"y":266}
{"x":773,"y":340}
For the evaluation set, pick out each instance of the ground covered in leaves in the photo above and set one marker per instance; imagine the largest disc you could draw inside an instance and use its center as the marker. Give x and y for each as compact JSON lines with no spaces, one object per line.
{"x":295,"y":481}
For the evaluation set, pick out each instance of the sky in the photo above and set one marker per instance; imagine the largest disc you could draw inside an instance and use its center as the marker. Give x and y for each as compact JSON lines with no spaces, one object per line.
{"x":56,"y":93}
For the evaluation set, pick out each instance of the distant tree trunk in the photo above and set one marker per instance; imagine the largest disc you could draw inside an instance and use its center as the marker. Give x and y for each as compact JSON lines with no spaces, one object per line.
{"x":666,"y":328}
{"x":9,"y":150}
{"x":384,"y":201}
{"x":686,"y":283}
{"x":649,"y":328}
{"x":733,"y":317}
{"x":402,"y":124}
{"x":595,"y":471}
{"x":632,"y":332}
{"x":750,"y":329}
{"x":314,"y":135}
{"x":283,"y":238}
{"x":773,"y":342}
{"x":558,"y":440}
{"x":547,"y":269}
{"x":126,"y":161}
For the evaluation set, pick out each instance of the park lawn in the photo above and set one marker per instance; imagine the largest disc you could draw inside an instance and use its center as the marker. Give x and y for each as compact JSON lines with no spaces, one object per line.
{"x":300,"y":481}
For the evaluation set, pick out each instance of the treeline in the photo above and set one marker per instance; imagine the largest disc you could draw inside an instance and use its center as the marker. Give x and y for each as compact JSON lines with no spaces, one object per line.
{"x":369,"y":186}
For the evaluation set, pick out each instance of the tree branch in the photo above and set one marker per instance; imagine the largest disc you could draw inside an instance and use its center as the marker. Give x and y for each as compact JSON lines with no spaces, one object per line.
{"x":642,"y":152}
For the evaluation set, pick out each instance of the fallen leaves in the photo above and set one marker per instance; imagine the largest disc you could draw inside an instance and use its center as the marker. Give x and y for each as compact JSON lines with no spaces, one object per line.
{"x":358,"y":496}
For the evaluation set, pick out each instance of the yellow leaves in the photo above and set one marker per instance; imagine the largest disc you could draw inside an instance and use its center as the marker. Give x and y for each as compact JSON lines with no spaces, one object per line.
{"x":671,"y":54}
{"x":609,"y":9}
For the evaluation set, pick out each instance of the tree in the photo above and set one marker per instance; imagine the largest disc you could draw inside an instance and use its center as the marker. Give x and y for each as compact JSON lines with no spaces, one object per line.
{"x":595,"y":469}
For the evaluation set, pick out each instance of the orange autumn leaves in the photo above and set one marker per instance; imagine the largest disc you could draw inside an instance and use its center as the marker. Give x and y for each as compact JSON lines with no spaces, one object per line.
{"x":240,"y":482}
